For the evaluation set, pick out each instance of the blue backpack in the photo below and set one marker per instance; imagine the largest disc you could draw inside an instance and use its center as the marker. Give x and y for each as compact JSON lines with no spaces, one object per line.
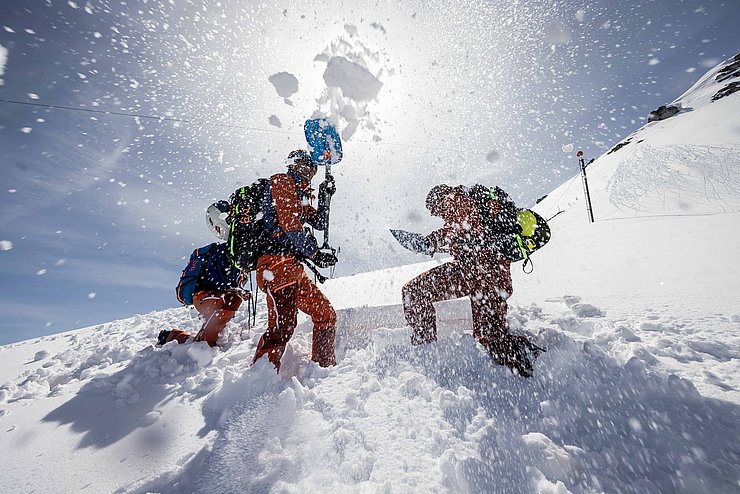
{"x":194,"y":270}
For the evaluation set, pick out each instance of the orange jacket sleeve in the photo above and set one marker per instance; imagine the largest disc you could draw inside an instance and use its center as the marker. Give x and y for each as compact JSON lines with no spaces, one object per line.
{"x":288,"y":212}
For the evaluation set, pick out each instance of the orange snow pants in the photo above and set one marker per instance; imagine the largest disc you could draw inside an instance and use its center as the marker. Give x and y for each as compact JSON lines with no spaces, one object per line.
{"x":289,"y":290}
{"x":217,"y":309}
{"x":486,"y":281}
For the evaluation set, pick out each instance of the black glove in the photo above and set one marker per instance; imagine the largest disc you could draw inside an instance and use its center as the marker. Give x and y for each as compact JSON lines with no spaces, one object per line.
{"x":328,"y":187}
{"x":310,"y":235}
{"x":324,"y":259}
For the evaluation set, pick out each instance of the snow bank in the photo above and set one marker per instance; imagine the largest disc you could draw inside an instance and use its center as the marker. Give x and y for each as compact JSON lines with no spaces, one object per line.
{"x":441,"y":417}
{"x":598,"y":416}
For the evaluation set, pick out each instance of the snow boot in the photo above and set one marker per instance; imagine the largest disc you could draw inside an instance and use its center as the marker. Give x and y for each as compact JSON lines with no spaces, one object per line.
{"x":162,"y":337}
{"x":517,"y":353}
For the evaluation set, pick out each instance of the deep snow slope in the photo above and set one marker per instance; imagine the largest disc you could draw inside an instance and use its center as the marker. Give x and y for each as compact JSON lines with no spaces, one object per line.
{"x":638,"y":391}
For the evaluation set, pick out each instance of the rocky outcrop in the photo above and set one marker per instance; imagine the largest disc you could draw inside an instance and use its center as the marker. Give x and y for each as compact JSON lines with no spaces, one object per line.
{"x":622,"y":144}
{"x":663,"y":112}
{"x":730,"y":70}
{"x":732,"y":87}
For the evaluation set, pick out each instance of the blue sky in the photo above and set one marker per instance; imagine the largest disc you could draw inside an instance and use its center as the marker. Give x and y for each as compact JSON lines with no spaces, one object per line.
{"x":100,"y":210}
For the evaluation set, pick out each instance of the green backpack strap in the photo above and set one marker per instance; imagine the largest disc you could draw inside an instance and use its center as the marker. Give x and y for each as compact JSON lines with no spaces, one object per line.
{"x":525,"y":255}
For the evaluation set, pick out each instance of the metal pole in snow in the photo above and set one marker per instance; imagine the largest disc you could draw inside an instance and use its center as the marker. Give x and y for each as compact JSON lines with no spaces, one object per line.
{"x":585,"y":186}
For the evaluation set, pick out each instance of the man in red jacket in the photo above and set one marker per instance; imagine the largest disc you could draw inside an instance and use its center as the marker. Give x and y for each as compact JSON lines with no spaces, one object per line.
{"x":280,"y":274}
{"x":477,"y":271}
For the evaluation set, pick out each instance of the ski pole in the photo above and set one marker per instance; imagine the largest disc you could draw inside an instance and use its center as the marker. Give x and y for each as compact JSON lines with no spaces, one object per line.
{"x":320,"y":277}
{"x":328,"y":209}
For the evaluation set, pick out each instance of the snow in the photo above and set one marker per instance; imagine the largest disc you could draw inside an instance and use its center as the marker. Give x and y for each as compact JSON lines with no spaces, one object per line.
{"x":638,"y":390}
{"x":285,"y":83}
{"x":557,"y":34}
{"x":3,"y":61}
{"x":492,"y":156}
{"x":355,"y":81}
{"x":351,"y":86}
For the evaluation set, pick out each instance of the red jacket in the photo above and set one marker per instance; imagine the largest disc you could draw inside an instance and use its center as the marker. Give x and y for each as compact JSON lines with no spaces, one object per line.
{"x":288,"y":209}
{"x":463,"y":235}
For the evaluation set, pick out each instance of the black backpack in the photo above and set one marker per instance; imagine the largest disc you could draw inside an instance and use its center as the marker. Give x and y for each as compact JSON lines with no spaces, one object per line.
{"x":247,"y":237}
{"x":499,"y":215}
{"x":511,"y":231}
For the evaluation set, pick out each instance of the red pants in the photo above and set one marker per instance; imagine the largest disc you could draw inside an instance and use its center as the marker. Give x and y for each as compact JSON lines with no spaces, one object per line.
{"x":486,"y":281}
{"x":289,"y":290}
{"x":217,"y":309}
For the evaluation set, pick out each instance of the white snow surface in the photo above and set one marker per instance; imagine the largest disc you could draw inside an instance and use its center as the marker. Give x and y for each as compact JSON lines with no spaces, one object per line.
{"x":639,"y":390}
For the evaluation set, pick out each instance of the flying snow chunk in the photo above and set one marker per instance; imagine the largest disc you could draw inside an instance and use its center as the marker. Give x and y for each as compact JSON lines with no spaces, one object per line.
{"x":285,"y":84}
{"x":33,"y":96}
{"x":91,"y":295}
{"x":493,"y":156}
{"x":275,"y":121}
{"x":355,"y":81}
{"x":6,"y":245}
{"x":557,"y":34}
{"x":3,"y":61}
{"x":568,"y":148}
{"x":379,"y":27}
{"x":26,"y":130}
{"x":653,"y":61}
{"x":41,"y":272}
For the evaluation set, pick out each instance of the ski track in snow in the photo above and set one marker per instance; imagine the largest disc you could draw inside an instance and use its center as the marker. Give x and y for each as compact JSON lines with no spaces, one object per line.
{"x":394,"y":418}
{"x":677,"y":178}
